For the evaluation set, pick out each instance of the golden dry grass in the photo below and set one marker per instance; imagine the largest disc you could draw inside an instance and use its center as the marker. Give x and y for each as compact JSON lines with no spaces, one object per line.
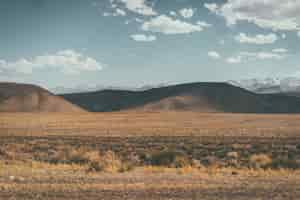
{"x":150,"y":124}
{"x":45,"y":181}
{"x":24,"y":175}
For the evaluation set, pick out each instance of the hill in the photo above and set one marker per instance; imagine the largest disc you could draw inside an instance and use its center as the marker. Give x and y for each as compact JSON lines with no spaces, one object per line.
{"x":30,"y":98}
{"x":201,"y":97}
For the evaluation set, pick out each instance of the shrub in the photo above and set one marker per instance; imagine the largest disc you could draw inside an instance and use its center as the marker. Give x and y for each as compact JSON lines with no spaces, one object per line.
{"x":3,"y":153}
{"x":288,"y":163}
{"x":181,"y":161}
{"x":260,"y":161}
{"x":125,"y":167}
{"x":197,"y":164}
{"x":69,"y":155}
{"x":77,"y":156}
{"x":57,"y":157}
{"x":211,"y":161}
{"x":108,"y":162}
{"x":232,"y":155}
{"x":170,"y":159}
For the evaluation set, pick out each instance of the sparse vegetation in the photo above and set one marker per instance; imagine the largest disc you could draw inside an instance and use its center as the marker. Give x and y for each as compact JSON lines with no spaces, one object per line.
{"x":108,"y":162}
{"x":150,"y":124}
{"x":260,"y":161}
{"x":285,"y":163}
{"x":170,"y":159}
{"x":190,"y":160}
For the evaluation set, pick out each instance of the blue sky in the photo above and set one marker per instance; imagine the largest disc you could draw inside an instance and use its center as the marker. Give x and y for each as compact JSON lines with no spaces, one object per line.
{"x":147,"y":42}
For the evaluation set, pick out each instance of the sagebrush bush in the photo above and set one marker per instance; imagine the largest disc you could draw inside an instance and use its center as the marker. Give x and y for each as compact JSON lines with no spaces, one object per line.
{"x":69,"y":156}
{"x":3,"y":153}
{"x":285,"y":163}
{"x":77,"y":156}
{"x":260,"y":161}
{"x":170,"y":159}
{"x":108,"y":162}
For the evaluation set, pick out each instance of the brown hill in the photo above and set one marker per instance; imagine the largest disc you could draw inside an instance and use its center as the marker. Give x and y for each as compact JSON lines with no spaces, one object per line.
{"x":200,"y":97}
{"x":29,"y":98}
{"x":184,"y":102}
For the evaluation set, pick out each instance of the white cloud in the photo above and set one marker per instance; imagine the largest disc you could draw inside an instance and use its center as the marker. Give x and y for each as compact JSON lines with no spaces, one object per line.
{"x":234,"y":60}
{"x":167,"y":25}
{"x":139,"y":7}
{"x":143,"y":38}
{"x":257,"y":39}
{"x":186,"y":12}
{"x":106,"y":14}
{"x":280,"y":50}
{"x":119,"y":12}
{"x":283,"y":36}
{"x":262,"y":55}
{"x":115,"y":13}
{"x":211,"y":7}
{"x":270,"y":14}
{"x":214,"y":55}
{"x":204,"y":24}
{"x":138,"y":20}
{"x":248,"y":56}
{"x":172,"y":13}
{"x":67,"y":61}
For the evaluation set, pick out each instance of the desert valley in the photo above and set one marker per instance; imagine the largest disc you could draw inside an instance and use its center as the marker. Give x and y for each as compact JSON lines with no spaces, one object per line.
{"x":149,"y":100}
{"x":201,"y":141}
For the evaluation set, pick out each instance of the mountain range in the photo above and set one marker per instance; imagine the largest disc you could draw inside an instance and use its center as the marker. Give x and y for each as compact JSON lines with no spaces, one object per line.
{"x":289,"y":85}
{"x":198,"y":97}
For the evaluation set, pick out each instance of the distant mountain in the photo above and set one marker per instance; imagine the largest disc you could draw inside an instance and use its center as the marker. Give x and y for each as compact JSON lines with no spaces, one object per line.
{"x":93,"y":88}
{"x":289,"y":86}
{"x":200,"y":97}
{"x":30,"y":98}
{"x":267,"y":85}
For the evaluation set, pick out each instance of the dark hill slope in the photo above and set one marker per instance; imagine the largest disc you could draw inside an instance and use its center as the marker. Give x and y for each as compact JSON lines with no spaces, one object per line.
{"x":201,"y":97}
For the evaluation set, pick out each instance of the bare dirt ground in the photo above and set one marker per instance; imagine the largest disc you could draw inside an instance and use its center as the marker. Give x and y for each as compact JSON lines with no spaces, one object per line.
{"x":30,"y":142}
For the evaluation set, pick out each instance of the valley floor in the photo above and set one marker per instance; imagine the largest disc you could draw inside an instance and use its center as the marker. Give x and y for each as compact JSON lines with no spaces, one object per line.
{"x":126,"y":124}
{"x":61,"y":182}
{"x":237,"y":156}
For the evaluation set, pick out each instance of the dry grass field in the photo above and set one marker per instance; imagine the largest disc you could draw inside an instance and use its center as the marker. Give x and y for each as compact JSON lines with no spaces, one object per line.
{"x":61,"y":182}
{"x":131,"y":155}
{"x":127,"y":124}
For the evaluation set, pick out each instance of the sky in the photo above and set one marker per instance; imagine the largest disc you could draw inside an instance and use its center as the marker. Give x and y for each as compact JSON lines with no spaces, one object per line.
{"x":132,"y":43}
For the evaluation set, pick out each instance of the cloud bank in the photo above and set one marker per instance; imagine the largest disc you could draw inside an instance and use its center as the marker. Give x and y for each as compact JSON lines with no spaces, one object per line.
{"x":277,"y":15}
{"x":137,"y":6}
{"x":275,"y":54}
{"x":186,"y":12}
{"x":66,"y":61}
{"x":143,"y":38}
{"x":167,"y":25}
{"x":214,"y":55}
{"x":257,"y":39}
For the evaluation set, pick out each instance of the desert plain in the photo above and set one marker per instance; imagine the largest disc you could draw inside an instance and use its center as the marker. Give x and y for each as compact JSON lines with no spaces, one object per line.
{"x":149,"y":155}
